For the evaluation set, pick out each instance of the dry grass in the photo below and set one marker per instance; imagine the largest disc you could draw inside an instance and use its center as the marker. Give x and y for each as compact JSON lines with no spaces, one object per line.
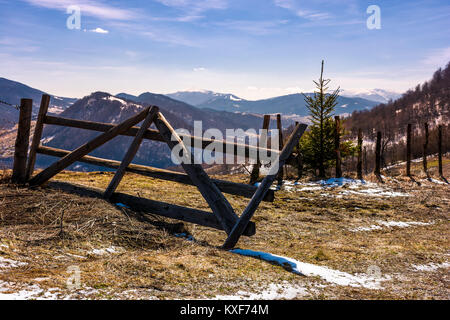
{"x":51,"y":231}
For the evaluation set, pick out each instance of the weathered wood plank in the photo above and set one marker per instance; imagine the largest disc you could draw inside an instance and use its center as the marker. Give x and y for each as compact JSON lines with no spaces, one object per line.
{"x":45,"y":102}
{"x":22,"y":142}
{"x":147,"y":206}
{"x":131,"y":153}
{"x":238,"y":229}
{"x":75,"y":155}
{"x":219,"y":204}
{"x":239,"y":189}
{"x":154,"y":135}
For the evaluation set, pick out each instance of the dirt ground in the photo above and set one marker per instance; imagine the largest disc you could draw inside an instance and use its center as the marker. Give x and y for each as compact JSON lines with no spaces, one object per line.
{"x":396,"y":233}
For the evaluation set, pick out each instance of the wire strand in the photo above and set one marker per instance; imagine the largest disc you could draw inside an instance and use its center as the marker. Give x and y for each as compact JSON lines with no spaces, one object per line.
{"x":9,"y":104}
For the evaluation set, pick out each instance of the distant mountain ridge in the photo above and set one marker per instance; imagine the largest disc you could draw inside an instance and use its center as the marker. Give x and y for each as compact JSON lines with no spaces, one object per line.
{"x":293,"y":104}
{"x":106,"y":108}
{"x":13,"y":91}
{"x":378,"y":95}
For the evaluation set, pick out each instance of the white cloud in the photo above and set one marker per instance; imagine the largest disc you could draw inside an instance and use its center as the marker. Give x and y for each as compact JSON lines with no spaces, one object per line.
{"x":99,"y":30}
{"x":199,"y":69}
{"x":438,"y":58}
{"x":94,"y":8}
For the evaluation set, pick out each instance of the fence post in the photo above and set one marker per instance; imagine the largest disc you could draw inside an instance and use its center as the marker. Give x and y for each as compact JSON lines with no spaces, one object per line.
{"x":38,"y":128}
{"x":254,"y":176}
{"x":378,"y":155}
{"x":299,"y":159}
{"x":408,"y":150}
{"x":337,"y":146}
{"x":359,"y":166}
{"x":441,"y":172}
{"x":425,"y":149}
{"x":22,"y":141}
{"x":280,"y":137}
{"x":366,"y":169}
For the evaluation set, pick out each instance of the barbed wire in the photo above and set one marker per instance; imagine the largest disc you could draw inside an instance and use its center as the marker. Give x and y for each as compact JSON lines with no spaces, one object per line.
{"x":9,"y":104}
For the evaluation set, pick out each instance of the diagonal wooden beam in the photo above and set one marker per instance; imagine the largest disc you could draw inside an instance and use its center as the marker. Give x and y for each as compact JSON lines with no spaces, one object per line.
{"x":131,"y":153}
{"x":88,"y":147}
{"x":218,"y":203}
{"x":239,"y":228}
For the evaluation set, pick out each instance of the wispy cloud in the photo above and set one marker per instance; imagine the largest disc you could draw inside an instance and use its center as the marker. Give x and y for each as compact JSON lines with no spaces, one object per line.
{"x":94,"y":8}
{"x":196,"y":6}
{"x":258,"y":28}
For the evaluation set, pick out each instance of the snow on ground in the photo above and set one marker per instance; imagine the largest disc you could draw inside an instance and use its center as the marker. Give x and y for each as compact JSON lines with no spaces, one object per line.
{"x":273,"y":292}
{"x":391,"y":224}
{"x":103,"y":251}
{"x":431,"y":267}
{"x":8,"y":263}
{"x":345,"y":186}
{"x":307,"y":269}
{"x":401,"y":224}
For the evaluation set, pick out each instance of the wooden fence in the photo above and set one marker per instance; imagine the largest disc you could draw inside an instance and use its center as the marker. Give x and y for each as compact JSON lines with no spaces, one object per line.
{"x":223,"y":216}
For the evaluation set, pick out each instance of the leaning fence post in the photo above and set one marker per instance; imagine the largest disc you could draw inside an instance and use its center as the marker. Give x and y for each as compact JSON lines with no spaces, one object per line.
{"x":337,"y":146}
{"x":38,"y":128}
{"x":378,"y":155}
{"x":359,"y":166}
{"x":441,"y":172}
{"x":408,"y":150}
{"x":425,"y":149}
{"x":22,"y":141}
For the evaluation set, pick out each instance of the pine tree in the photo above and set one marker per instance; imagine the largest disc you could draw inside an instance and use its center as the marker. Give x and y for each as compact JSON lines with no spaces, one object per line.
{"x":318,"y":144}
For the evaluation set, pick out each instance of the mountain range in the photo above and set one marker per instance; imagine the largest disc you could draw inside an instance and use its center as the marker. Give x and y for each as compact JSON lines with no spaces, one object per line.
{"x":215,"y":110}
{"x":12,"y":92}
{"x":293,"y":104}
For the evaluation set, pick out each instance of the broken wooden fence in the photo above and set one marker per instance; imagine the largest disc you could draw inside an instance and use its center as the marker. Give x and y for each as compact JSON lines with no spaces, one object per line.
{"x":223,"y":216}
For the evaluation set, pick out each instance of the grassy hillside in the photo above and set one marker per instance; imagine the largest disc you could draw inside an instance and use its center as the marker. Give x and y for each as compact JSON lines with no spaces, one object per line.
{"x":396,"y":236}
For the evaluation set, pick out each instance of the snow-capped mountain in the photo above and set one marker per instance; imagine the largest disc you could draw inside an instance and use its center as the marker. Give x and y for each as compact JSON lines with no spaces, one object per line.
{"x":293,"y":104}
{"x":197,"y":98}
{"x":378,"y":95}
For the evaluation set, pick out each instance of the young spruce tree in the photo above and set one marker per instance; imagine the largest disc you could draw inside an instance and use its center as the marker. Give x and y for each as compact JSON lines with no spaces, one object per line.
{"x":317,"y":144}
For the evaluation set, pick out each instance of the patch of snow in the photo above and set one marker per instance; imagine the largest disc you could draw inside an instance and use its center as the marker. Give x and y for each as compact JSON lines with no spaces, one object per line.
{"x":273,"y":292}
{"x":401,"y":224}
{"x":111,"y":98}
{"x":307,"y":269}
{"x":391,"y":224}
{"x":47,"y":140}
{"x":371,"y":228}
{"x":103,"y":251}
{"x":431,"y":266}
{"x":234,"y":98}
{"x":8,"y":263}
{"x":357,"y":187}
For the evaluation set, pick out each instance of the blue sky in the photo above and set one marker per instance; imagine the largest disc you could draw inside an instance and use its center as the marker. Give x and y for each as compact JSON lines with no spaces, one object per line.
{"x":252,"y":48}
